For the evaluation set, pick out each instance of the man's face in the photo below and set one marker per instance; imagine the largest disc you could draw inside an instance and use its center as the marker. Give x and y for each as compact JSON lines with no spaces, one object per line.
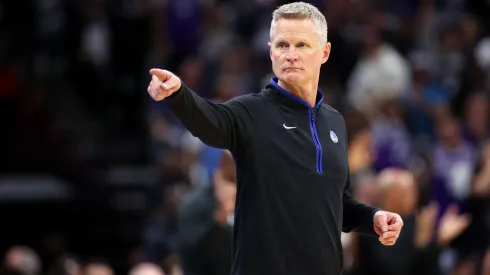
{"x":296,"y":52}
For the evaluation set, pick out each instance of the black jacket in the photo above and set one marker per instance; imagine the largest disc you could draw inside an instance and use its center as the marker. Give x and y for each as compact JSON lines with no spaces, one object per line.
{"x":293,"y":178}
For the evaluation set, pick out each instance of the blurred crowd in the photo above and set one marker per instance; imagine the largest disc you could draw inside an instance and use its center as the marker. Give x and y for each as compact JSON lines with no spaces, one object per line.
{"x":411,"y":78}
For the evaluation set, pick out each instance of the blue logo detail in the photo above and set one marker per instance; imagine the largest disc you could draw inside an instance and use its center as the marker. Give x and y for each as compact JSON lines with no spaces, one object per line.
{"x":334,"y":137}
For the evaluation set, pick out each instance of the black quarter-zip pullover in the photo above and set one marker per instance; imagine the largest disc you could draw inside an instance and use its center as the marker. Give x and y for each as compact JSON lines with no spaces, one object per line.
{"x":293,"y":178}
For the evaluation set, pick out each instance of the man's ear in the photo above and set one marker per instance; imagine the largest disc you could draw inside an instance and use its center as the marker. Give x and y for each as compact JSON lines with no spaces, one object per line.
{"x":270,"y":49}
{"x":326,"y":52}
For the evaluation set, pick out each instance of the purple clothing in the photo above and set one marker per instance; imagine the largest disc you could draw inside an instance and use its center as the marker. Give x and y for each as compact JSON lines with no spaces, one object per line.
{"x":185,"y":18}
{"x":405,"y":8}
{"x":452,"y":172}
{"x":391,"y":143}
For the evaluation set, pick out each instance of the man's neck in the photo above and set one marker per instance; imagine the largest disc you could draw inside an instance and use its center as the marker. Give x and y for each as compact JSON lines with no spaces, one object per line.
{"x":306,"y":92}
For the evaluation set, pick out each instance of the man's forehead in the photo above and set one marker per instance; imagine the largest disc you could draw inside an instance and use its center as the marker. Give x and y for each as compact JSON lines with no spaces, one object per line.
{"x":290,"y":29}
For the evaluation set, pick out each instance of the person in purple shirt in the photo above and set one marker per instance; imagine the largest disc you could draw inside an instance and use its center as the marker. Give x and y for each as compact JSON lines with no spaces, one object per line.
{"x":476,"y":128}
{"x":184,"y":23}
{"x":391,"y":140}
{"x":453,"y":165}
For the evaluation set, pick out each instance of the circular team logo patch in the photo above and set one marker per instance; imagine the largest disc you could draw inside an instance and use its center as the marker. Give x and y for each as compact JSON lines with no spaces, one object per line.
{"x":334,"y":137}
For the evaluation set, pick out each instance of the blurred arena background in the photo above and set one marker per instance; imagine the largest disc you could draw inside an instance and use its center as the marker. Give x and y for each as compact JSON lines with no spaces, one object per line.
{"x":93,"y":173}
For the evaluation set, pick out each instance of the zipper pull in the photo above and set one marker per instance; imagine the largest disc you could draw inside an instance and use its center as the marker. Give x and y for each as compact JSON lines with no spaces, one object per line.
{"x":313,"y":114}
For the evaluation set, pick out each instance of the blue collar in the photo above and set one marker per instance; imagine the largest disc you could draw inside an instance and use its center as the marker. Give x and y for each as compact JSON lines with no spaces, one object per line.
{"x":319,"y":95}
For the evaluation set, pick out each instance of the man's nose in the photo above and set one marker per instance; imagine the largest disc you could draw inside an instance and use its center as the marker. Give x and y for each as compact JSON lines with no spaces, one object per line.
{"x":292,"y":54}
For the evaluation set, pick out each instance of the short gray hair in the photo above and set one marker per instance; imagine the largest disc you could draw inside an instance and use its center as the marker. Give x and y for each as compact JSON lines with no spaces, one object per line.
{"x":301,"y":10}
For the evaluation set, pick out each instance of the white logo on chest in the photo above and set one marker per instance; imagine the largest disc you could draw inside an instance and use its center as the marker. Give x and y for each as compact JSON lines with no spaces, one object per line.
{"x":334,"y":137}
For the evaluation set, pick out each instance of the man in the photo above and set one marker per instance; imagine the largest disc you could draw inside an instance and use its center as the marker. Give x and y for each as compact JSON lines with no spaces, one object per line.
{"x":290,"y":151}
{"x":205,"y":236}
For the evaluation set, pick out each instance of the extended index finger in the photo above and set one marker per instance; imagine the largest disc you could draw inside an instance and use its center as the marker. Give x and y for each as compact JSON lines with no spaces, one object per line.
{"x":163,"y":75}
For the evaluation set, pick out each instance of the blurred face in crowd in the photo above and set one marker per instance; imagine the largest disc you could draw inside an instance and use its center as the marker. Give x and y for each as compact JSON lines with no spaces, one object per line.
{"x":296,"y":51}
{"x":370,"y":36}
{"x":225,"y":184}
{"x":23,"y":259}
{"x":393,"y":183}
{"x":470,"y":30}
{"x":146,"y":269}
{"x":226,"y":87}
{"x":391,"y":108}
{"x":190,"y":71}
{"x":476,"y":115}
{"x":450,"y":41}
{"x":449,"y":132}
{"x":367,"y":190}
{"x":98,"y":269}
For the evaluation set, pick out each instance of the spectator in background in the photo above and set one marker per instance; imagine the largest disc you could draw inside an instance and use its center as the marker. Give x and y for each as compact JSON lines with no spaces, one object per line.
{"x":422,"y":95}
{"x":23,"y":259}
{"x":449,"y":60}
{"x":380,"y":72}
{"x":98,"y":268}
{"x":361,"y":152}
{"x":205,"y":235}
{"x":474,"y":242}
{"x":161,"y":234}
{"x":67,"y":265}
{"x":417,"y":251}
{"x":146,"y":269}
{"x":453,"y":159}
{"x":476,"y":125}
{"x":392,"y":145}
{"x":481,"y":55}
{"x":471,"y":33}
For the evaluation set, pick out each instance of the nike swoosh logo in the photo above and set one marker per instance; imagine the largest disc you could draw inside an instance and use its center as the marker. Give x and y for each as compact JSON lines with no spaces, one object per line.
{"x":288,"y":127}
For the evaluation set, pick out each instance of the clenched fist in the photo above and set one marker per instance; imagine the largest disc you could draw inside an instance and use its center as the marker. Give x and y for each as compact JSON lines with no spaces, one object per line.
{"x":163,"y":84}
{"x":388,"y":226}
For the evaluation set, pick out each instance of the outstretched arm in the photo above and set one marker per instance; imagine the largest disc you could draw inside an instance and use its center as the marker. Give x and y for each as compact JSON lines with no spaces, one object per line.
{"x":220,"y":125}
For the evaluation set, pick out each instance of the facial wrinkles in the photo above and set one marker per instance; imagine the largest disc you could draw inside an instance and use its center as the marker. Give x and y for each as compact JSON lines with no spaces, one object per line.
{"x":297,"y":49}
{"x":293,"y":31}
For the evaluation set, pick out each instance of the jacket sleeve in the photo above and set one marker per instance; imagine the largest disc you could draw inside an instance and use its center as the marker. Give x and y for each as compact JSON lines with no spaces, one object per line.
{"x":219,"y":125}
{"x":357,"y":216}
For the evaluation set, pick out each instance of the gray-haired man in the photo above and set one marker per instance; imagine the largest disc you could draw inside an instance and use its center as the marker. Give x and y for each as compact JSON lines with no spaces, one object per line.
{"x":290,"y":150}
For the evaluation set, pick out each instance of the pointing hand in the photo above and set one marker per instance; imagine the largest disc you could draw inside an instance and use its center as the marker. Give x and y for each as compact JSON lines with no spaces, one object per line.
{"x":163,"y":84}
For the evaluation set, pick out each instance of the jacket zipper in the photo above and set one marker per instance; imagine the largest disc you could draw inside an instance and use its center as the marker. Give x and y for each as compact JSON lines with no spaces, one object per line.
{"x":316,"y":140}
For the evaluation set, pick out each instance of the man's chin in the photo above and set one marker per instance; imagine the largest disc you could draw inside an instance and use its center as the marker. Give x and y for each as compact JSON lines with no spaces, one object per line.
{"x":292,"y":77}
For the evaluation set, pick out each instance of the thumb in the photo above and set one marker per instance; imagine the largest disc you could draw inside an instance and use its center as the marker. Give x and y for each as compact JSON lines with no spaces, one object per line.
{"x":163,"y":75}
{"x":382,"y":222}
